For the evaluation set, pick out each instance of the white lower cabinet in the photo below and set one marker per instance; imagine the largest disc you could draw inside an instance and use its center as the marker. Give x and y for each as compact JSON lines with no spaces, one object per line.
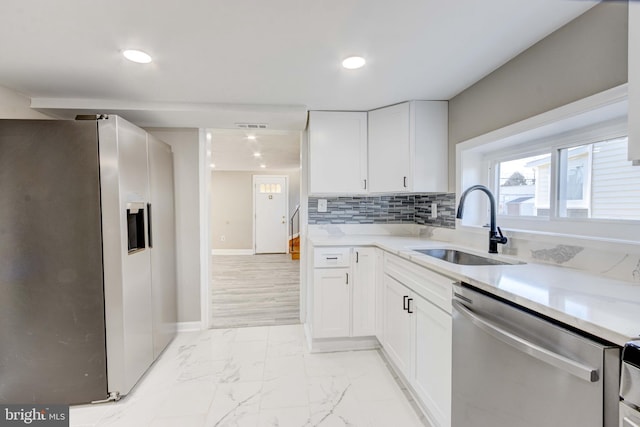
{"x":418,"y":332}
{"x":364,"y":292}
{"x":380,"y":299}
{"x":344,"y":293}
{"x":431,"y":373}
{"x":331,"y":302}
{"x":397,"y":323}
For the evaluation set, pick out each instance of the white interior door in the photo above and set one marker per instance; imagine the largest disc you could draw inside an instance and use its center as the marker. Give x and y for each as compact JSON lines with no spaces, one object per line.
{"x":271,"y":197}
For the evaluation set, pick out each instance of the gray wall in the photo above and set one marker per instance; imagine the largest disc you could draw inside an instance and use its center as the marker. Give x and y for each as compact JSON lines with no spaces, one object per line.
{"x":232,"y":206}
{"x":184,"y":143}
{"x":586,"y":56}
{"x":14,"y":105}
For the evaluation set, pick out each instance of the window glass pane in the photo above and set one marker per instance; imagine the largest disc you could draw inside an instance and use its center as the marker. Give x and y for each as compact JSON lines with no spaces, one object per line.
{"x":524,"y":186}
{"x":597,"y":181}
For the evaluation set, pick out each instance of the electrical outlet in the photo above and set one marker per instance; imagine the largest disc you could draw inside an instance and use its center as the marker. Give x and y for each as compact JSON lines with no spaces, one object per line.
{"x":322,"y":205}
{"x":434,"y":210}
{"x":223,"y":238}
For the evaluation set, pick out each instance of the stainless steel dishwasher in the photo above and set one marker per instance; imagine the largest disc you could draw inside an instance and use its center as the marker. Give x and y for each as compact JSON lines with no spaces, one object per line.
{"x":513,"y":368}
{"x":630,"y":386}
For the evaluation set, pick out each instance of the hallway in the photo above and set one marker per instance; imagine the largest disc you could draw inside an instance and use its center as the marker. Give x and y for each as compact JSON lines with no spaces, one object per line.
{"x":254,"y":290}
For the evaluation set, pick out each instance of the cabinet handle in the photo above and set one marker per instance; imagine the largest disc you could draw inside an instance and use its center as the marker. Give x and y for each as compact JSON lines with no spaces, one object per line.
{"x":404,"y":302}
{"x":404,"y":181}
{"x":331,"y":257}
{"x":150,"y":230}
{"x":347,"y":278}
{"x":364,"y":185}
{"x":357,"y":257}
{"x":409,"y":306}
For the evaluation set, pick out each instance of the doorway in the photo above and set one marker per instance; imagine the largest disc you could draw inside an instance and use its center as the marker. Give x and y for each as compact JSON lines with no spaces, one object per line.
{"x":254,"y":185}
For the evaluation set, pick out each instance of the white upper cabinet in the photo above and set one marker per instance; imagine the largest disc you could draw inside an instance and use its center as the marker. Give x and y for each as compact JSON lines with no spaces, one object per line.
{"x":634,"y":81}
{"x":407,"y":148}
{"x":337,"y":152}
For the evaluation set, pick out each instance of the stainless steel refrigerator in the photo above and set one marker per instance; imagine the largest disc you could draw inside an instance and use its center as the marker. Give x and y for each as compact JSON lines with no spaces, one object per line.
{"x":87,"y":258}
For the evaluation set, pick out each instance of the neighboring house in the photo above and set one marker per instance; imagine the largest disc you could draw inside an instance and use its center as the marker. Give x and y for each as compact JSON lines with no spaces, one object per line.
{"x":512,"y":196}
{"x":593,"y":186}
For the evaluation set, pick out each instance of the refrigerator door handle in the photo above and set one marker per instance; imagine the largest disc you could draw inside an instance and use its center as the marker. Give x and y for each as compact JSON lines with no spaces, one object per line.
{"x":150,"y":229}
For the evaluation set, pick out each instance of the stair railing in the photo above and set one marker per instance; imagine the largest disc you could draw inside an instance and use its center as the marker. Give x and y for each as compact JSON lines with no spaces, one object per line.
{"x":291,"y":221}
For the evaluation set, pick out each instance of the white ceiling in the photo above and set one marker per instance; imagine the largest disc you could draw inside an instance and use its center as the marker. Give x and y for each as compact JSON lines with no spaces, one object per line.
{"x":221,"y":62}
{"x":232,"y":150}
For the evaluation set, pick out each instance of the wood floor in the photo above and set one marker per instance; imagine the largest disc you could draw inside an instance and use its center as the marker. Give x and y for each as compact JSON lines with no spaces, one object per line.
{"x":255,"y":290}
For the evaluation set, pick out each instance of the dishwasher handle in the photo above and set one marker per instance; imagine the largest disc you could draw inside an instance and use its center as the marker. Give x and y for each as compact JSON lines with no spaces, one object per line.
{"x":561,"y":362}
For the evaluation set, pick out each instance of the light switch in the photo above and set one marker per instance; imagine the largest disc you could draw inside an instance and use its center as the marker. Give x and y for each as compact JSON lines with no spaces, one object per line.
{"x":434,"y":210}
{"x":322,"y":205}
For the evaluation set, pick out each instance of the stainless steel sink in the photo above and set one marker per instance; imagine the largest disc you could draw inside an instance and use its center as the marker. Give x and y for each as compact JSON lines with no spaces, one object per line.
{"x":463,"y":258}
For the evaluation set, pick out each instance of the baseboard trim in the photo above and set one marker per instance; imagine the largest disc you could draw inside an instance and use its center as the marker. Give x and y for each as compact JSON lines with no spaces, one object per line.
{"x":189,"y":326}
{"x":232,"y":252}
{"x":323,"y":345}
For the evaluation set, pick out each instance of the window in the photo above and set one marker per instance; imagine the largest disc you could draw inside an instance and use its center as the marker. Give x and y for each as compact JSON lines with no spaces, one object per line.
{"x":524,"y":186}
{"x":270,"y":188}
{"x":597,"y":181}
{"x":594,"y":181}
{"x":563,"y":172}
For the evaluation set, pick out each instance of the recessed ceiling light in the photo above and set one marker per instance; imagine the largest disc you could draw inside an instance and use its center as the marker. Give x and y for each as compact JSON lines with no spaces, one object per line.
{"x":137,"y":56}
{"x":209,"y":136}
{"x":213,"y":165}
{"x":263,"y":166}
{"x":256,"y":154}
{"x":251,"y":137}
{"x":354,"y":62}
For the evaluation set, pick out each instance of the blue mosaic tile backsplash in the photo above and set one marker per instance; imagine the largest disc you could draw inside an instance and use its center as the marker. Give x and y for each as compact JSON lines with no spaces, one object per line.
{"x":391,"y":209}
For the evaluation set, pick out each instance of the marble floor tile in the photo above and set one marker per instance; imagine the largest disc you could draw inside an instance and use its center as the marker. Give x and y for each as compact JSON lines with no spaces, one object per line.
{"x":182,"y":421}
{"x":287,"y":366}
{"x":285,"y":392}
{"x":392,"y":412}
{"x":255,"y":377}
{"x":284,"y":417}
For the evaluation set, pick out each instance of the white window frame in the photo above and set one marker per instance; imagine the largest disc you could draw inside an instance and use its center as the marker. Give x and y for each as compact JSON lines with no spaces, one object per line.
{"x":597,"y":118}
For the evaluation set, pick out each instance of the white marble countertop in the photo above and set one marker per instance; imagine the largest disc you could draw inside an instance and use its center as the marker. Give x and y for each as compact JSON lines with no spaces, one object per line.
{"x":604,"y":307}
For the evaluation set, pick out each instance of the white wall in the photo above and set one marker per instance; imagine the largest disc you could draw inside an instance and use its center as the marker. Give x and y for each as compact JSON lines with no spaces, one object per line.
{"x":184,"y":143}
{"x":232,"y":206}
{"x":14,"y":105}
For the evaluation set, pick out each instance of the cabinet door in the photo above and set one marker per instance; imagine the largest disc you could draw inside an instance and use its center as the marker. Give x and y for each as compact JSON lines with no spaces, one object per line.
{"x":331,"y":302}
{"x":634,"y":81}
{"x":380,"y":299}
{"x":364,"y":292}
{"x":397,"y":324}
{"x":431,"y":359}
{"x":337,"y":152}
{"x":389,"y":149}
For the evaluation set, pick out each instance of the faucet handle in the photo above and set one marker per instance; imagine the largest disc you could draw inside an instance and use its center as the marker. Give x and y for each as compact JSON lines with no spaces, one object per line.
{"x":502,"y":240}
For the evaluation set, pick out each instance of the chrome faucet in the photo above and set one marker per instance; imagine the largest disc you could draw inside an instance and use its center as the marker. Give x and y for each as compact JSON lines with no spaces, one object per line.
{"x":495,"y":234}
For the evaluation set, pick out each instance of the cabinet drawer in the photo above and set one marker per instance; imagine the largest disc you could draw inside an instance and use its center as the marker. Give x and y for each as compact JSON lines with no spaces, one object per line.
{"x":332,"y":257}
{"x":432,"y":286}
